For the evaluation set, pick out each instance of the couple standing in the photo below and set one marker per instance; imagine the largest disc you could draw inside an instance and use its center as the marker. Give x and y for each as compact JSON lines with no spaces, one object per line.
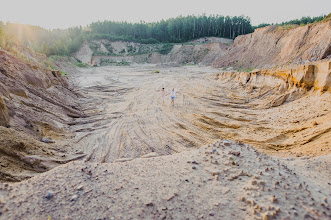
{"x":173,"y":95}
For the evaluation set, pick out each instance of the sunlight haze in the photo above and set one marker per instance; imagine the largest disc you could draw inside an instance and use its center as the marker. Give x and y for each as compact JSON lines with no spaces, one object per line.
{"x":64,"y":14}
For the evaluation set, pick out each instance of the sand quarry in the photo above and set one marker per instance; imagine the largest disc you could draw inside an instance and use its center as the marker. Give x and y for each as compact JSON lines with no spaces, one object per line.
{"x":225,"y":150}
{"x":127,"y":117}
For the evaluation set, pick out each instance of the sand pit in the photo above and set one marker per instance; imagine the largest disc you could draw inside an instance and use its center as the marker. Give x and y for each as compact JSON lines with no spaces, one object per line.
{"x":127,"y":118}
{"x":215,"y":154}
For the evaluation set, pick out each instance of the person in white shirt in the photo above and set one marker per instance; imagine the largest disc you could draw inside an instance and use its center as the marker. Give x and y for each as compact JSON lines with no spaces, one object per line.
{"x":173,"y":95}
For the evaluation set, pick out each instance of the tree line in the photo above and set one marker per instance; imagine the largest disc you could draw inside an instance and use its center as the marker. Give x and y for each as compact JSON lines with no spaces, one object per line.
{"x":301,"y":21}
{"x":173,"y":30}
{"x":61,"y":42}
{"x":176,"y":30}
{"x":64,"y":42}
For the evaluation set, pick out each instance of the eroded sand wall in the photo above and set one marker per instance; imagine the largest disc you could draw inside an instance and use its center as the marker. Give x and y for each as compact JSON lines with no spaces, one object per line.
{"x":36,"y":106}
{"x":273,"y":46}
{"x":181,"y":54}
{"x":317,"y":76}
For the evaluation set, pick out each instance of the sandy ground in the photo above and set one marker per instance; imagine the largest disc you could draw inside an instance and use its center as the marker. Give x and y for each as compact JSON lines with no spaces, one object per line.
{"x":224,"y":181}
{"x":147,"y":160}
{"x":127,"y":117}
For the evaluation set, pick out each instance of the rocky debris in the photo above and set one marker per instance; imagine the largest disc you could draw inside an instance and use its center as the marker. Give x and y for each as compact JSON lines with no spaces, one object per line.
{"x":235,"y":153}
{"x":49,"y":195}
{"x":149,"y":204}
{"x":74,"y":198}
{"x":214,"y":173}
{"x":80,"y":187}
{"x":47,"y":140}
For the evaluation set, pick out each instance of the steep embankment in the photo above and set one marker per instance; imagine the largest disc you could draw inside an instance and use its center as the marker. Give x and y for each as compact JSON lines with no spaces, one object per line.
{"x":315,"y":75}
{"x":36,"y":105}
{"x":298,"y":103}
{"x":201,"y":51}
{"x":274,"y":46}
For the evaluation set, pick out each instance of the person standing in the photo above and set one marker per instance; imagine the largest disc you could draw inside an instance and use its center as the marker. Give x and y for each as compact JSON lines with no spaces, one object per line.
{"x":163,"y":95}
{"x":173,"y":96}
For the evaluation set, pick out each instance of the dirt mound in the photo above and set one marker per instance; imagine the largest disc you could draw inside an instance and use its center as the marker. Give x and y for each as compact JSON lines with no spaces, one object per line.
{"x":36,"y":102}
{"x":226,"y":180}
{"x":275,"y":45}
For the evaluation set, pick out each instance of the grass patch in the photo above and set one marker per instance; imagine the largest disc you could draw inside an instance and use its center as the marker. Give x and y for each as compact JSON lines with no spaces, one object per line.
{"x":206,"y":50}
{"x":327,"y":18}
{"x":287,"y":26}
{"x":165,"y":49}
{"x":81,"y":65}
{"x":63,"y":73}
{"x":247,"y":69}
{"x":51,"y":67}
{"x":156,"y":71}
{"x":190,"y":64}
{"x":109,"y":62}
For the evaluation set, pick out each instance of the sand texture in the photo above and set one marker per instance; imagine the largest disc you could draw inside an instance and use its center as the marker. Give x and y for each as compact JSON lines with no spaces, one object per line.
{"x":127,"y":117}
{"x":226,"y":180}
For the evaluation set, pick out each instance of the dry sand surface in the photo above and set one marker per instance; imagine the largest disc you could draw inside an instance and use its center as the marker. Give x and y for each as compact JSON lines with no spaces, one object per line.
{"x":128,"y":119}
{"x":147,"y":160}
{"x":223,"y":181}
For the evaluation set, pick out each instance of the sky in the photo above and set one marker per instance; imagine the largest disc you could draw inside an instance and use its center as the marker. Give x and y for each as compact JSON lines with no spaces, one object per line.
{"x":53,"y":14}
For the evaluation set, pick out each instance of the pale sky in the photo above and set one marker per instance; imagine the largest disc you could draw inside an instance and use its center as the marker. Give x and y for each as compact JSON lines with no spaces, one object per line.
{"x":67,"y":13}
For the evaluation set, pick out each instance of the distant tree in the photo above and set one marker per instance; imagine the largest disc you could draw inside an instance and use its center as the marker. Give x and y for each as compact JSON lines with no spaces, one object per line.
{"x":261,"y":25}
{"x":304,"y":20}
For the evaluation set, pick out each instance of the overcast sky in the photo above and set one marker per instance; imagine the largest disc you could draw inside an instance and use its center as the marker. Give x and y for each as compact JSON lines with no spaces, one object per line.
{"x":67,"y":13}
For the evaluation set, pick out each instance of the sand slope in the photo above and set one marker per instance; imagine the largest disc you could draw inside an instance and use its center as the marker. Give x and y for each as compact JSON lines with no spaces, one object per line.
{"x":35,"y":103}
{"x":275,"y":45}
{"x":223,"y":181}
